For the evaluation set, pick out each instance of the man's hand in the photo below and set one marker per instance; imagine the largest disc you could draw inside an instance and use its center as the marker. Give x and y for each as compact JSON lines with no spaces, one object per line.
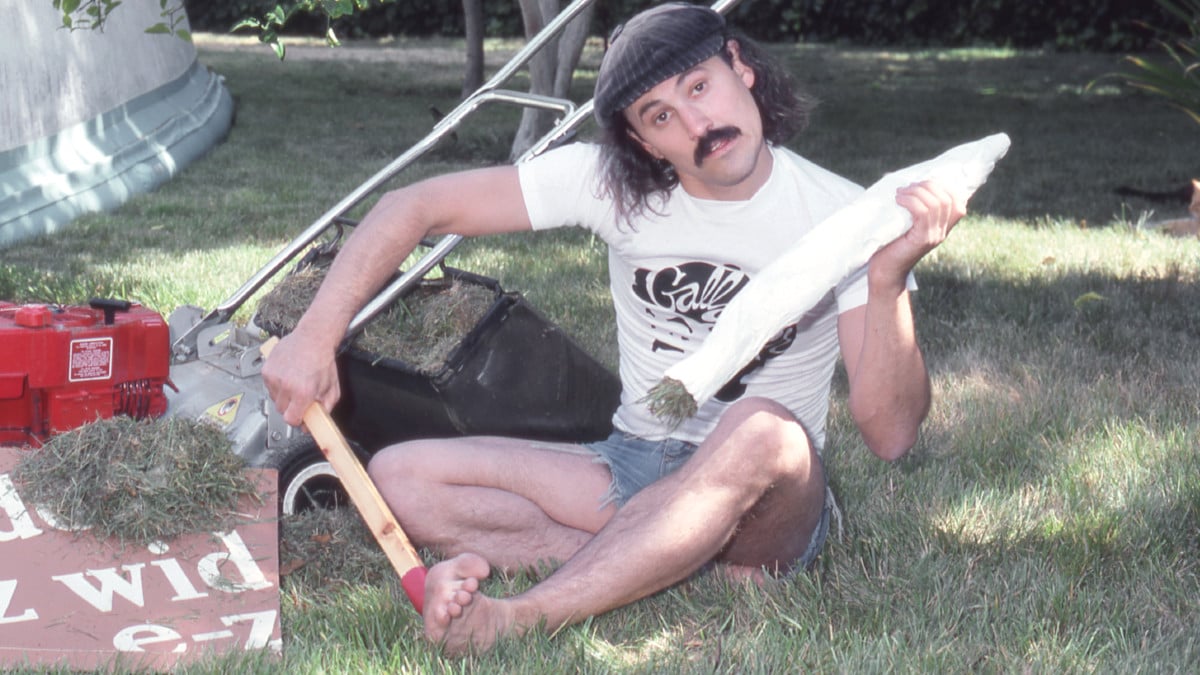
{"x":935,"y":211}
{"x":298,"y":372}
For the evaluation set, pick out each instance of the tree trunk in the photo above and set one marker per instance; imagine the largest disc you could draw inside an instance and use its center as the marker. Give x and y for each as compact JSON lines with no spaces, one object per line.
{"x":473,"y":26}
{"x":551,"y":70}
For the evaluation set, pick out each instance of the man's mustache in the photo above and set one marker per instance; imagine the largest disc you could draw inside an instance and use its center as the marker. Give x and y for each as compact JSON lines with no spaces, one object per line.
{"x":709,"y":141}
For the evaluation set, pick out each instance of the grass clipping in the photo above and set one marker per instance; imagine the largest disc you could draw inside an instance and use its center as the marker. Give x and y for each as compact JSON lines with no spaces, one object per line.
{"x":421,"y":330}
{"x":670,"y":401}
{"x":323,"y":550}
{"x":139,"y":481}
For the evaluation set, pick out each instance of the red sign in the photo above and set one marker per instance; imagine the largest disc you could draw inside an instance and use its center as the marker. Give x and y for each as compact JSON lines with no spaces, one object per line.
{"x":69,"y":599}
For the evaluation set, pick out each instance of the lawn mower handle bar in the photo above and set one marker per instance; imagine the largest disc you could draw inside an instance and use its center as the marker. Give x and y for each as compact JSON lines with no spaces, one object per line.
{"x":445,"y":244}
{"x":489,"y":92}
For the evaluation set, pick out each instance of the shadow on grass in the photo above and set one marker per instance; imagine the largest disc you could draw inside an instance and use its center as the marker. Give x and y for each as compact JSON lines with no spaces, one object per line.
{"x":1073,"y":146}
{"x":1054,"y":498}
{"x":1135,"y":318}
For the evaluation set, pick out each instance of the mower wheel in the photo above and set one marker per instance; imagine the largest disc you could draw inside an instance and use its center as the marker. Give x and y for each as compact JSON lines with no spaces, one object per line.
{"x":307,"y":481}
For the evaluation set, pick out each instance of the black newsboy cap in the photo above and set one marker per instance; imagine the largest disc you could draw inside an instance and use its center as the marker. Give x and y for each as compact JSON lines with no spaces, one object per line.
{"x":658,"y":43}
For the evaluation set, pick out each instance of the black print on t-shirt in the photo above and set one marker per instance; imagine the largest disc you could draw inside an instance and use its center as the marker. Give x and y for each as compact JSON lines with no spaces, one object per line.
{"x":687,"y":299}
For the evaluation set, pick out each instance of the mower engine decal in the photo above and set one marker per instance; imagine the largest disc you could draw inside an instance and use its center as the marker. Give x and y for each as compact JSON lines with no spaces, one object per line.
{"x":225,"y":412}
{"x":91,"y":359}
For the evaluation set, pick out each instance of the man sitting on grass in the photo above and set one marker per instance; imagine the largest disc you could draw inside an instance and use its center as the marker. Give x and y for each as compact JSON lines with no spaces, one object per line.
{"x":693,"y":192}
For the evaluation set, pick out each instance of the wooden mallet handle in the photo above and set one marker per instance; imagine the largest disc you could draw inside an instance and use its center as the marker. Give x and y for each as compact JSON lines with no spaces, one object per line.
{"x":366,"y":498}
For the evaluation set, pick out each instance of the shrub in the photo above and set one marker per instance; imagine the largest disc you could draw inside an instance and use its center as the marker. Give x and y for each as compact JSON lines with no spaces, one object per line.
{"x":1110,"y":25}
{"x":1179,"y":79}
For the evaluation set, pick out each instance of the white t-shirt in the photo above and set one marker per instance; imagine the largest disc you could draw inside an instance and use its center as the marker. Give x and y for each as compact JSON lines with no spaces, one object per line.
{"x":672,"y":274}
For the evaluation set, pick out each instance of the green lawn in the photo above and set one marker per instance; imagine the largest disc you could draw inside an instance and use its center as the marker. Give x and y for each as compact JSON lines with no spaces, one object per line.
{"x":1048,"y":519}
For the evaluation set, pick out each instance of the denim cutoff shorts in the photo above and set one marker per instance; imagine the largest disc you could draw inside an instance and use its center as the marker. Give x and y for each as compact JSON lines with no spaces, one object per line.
{"x":636,"y":462}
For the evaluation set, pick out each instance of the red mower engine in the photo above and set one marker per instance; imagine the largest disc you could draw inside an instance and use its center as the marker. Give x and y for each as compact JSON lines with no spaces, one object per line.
{"x":62,"y":367}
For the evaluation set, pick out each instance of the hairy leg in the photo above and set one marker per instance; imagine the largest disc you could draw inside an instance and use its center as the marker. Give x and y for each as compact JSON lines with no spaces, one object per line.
{"x":776,"y":534}
{"x":778,"y":529}
{"x":516,"y":503}
{"x":755,"y":472}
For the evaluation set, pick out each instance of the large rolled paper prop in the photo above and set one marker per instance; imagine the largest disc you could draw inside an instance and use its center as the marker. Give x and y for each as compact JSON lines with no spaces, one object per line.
{"x":796,"y":281}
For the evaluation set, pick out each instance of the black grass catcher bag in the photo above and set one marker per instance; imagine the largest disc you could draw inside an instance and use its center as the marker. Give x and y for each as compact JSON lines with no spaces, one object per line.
{"x":514,"y":373}
{"x":454,"y":356}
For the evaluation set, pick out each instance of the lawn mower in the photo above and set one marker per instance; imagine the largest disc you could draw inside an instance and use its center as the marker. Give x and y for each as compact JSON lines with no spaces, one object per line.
{"x":515,"y":373}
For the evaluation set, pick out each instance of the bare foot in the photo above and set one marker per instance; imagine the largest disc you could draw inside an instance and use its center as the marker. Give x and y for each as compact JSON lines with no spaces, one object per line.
{"x":742,"y":573}
{"x":457,"y":616}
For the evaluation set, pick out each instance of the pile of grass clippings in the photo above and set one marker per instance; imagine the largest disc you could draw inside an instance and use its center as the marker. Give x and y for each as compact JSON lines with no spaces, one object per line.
{"x":422,"y":330}
{"x":139,"y":481}
{"x":281,"y":307}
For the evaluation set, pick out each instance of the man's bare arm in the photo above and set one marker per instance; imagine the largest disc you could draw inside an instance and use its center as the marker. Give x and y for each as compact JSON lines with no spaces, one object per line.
{"x":301,"y":369}
{"x":889,"y":384}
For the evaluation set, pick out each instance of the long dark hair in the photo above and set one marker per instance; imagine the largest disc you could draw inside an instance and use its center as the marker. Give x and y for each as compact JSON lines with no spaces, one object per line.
{"x":632,"y":177}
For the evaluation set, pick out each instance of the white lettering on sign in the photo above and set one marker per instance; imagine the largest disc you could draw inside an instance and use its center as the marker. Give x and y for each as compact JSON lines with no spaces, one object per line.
{"x":262,"y":625}
{"x":210,"y":567}
{"x":7,"y":588}
{"x":73,"y":600}
{"x":52,"y":519}
{"x":20,"y":526}
{"x":110,"y":583}
{"x":133,"y":638}
{"x":184,"y":590}
{"x":91,"y":359}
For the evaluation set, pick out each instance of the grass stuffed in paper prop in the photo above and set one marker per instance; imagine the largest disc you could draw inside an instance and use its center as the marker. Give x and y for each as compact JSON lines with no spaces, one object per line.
{"x":796,"y":281}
